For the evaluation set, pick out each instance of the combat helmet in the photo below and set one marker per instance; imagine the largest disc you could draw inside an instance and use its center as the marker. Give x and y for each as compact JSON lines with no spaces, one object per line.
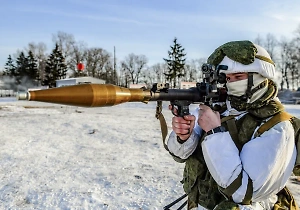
{"x":245,"y":56}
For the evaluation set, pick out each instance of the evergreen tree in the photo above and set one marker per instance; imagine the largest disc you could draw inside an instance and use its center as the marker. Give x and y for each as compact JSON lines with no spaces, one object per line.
{"x":9,"y":74}
{"x":55,"y":68}
{"x":21,"y":67}
{"x":175,"y":63}
{"x":9,"y":68}
{"x":32,"y":70}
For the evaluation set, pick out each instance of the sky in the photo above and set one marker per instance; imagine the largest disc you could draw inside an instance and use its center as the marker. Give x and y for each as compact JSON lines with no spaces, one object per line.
{"x":66,"y":157}
{"x":144,"y":27}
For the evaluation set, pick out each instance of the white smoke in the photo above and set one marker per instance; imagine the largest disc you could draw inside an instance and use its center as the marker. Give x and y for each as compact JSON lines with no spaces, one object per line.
{"x":10,"y":83}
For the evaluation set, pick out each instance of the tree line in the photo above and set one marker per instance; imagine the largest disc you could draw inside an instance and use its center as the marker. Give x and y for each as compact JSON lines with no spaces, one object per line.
{"x":34,"y":67}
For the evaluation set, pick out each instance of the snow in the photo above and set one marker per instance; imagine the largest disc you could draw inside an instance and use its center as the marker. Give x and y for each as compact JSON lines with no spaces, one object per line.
{"x":65,"y":157}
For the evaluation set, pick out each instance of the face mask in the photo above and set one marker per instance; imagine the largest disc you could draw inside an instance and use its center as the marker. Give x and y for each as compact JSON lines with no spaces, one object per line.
{"x":238,"y":88}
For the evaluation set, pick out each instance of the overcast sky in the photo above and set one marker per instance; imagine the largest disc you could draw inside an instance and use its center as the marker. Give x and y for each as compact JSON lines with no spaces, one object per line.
{"x":145,"y":27}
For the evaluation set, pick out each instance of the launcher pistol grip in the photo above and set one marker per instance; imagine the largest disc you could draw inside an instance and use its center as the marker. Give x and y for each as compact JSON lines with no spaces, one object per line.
{"x":182,"y":108}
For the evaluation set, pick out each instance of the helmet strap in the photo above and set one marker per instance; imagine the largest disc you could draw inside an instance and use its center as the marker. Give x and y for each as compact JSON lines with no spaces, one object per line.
{"x":248,"y":94}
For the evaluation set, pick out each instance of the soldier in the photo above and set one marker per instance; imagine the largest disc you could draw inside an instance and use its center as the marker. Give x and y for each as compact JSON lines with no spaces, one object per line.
{"x":229,"y":163}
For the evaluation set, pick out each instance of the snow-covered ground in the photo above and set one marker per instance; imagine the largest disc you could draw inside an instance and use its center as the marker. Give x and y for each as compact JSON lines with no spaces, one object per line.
{"x":62,"y":157}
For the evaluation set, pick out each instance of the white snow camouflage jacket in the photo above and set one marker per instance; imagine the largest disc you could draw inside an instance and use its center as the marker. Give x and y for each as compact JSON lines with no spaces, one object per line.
{"x":268,"y":160}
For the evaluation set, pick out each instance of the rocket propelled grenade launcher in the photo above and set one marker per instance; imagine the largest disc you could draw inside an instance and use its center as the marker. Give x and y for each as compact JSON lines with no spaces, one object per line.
{"x":100,"y":95}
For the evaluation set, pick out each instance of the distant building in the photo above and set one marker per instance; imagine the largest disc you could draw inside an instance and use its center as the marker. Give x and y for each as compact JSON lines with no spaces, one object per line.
{"x":79,"y":80}
{"x":187,"y":85}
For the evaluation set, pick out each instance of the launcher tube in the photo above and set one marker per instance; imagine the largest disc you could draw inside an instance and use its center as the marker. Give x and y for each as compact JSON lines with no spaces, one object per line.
{"x":99,"y":95}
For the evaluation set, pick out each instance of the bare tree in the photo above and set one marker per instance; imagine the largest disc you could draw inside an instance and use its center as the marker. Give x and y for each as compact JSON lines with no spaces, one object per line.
{"x":189,"y":72}
{"x":294,"y":63}
{"x":159,"y":69}
{"x":270,"y":45}
{"x":193,"y":70}
{"x":79,"y":54}
{"x":148,"y":77}
{"x":283,"y":62}
{"x":124,"y":78}
{"x":288,"y":63}
{"x":97,"y":60}
{"x":259,"y":40}
{"x":296,"y":44}
{"x":134,"y":65}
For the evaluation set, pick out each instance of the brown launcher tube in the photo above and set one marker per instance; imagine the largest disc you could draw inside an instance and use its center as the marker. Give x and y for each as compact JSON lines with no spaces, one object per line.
{"x":90,"y":95}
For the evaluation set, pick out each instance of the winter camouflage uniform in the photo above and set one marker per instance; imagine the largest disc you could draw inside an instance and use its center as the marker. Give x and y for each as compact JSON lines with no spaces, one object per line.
{"x":197,"y":180}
